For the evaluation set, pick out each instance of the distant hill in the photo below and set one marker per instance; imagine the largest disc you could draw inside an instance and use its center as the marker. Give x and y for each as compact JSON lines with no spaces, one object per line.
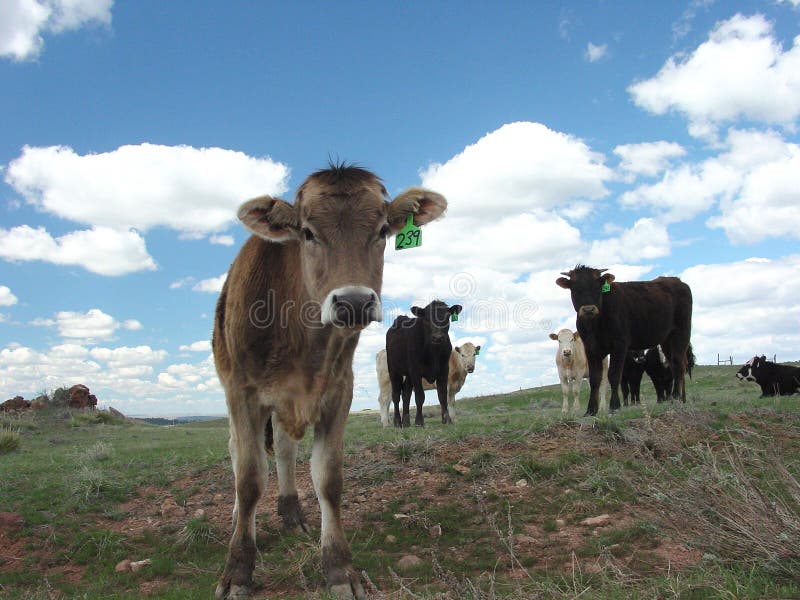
{"x":176,"y":420}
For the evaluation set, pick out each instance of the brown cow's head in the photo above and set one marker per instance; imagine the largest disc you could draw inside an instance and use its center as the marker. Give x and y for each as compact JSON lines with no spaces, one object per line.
{"x":586,"y":288}
{"x":340,"y":220}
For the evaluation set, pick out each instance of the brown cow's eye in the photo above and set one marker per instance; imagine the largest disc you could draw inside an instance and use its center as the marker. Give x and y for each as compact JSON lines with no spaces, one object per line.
{"x":384,"y":232}
{"x":308,"y":235}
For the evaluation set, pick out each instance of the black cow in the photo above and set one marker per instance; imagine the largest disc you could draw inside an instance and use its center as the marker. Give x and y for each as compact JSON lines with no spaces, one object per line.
{"x":615,"y":317}
{"x":418,"y":348}
{"x":773,"y":378}
{"x":631,"y":379}
{"x":657,"y":368}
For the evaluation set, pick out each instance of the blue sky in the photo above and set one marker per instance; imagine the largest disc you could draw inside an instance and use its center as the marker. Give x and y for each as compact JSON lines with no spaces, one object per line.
{"x":648,"y":138}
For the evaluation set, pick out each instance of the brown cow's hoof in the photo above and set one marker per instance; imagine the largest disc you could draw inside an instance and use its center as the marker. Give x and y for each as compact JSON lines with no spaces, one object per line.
{"x":446,"y":420}
{"x":291,"y":513}
{"x":350,"y":589}
{"x":232,"y":592}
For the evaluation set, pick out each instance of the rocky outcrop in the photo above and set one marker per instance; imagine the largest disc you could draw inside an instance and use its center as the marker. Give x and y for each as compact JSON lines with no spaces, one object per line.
{"x":15,"y":404}
{"x":79,"y":397}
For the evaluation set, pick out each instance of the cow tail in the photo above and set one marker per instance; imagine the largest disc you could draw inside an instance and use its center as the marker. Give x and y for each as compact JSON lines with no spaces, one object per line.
{"x":690,"y":360}
{"x":269,"y":437}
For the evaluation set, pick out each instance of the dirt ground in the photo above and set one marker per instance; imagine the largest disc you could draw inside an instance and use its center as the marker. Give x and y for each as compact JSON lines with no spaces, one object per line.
{"x":447,"y":474}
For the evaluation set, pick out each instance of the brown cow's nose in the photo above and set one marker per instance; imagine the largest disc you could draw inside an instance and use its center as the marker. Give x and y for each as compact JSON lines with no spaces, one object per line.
{"x":355,"y":309}
{"x":588,"y":311}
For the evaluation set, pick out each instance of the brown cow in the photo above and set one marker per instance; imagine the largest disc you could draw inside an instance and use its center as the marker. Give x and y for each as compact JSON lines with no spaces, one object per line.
{"x":287,"y":323}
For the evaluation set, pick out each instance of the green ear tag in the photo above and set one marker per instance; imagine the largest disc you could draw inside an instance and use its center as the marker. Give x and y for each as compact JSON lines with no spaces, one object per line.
{"x":454,"y":317}
{"x":477,"y":351}
{"x":409,"y":236}
{"x":606,"y":287}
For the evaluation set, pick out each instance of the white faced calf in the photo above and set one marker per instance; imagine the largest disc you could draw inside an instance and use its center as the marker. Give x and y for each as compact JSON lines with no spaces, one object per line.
{"x":573,"y":368}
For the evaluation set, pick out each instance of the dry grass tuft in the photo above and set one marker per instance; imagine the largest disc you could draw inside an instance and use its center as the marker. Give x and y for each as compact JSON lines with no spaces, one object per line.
{"x":739,"y":503}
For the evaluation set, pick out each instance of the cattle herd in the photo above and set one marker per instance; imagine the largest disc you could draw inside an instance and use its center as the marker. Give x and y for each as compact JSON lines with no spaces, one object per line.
{"x":308,"y":281}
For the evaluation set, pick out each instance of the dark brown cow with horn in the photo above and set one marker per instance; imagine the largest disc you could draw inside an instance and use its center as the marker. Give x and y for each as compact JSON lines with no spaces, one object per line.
{"x":615,"y":317}
{"x":287,"y":323}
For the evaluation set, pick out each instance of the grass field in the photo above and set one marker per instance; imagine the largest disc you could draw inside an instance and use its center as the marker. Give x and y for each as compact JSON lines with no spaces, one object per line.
{"x":513,"y":501}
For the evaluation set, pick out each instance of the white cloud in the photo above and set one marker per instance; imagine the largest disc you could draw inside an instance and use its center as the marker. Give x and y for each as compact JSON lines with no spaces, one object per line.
{"x":741,"y":71}
{"x":90,"y":326}
{"x":519,"y":167}
{"x":647,"y":159}
{"x":768,"y":203}
{"x":755,"y":180}
{"x":125,"y":356}
{"x":745,"y":308}
{"x":100,"y":250}
{"x":22,"y":22}
{"x":191,"y":190}
{"x":182,"y":282}
{"x":595,"y":52}
{"x":683,"y":26}
{"x":222,"y":240}
{"x":199,"y":346}
{"x":212,"y":285}
{"x":646,"y":240}
{"x":6,"y":297}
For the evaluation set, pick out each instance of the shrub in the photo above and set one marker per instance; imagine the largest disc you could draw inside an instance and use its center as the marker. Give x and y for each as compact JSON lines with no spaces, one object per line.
{"x":60,"y":397}
{"x":9,"y":440}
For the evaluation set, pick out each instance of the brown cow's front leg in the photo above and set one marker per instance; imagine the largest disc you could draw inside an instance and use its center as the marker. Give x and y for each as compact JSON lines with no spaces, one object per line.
{"x":327,"y":475}
{"x":441,"y":391}
{"x":289,"y":507}
{"x":247,"y":422}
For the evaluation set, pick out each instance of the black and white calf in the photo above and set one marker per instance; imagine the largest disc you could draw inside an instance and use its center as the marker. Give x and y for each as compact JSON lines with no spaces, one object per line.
{"x":631,"y":380}
{"x":774,"y":379}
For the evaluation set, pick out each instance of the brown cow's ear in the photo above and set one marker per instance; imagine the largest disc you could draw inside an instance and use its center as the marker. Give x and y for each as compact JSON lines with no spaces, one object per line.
{"x":270,"y":218}
{"x":456,"y":309}
{"x":425,"y":205}
{"x":553,"y":336}
{"x":564,"y":283}
{"x":417,"y":311}
{"x":608,"y":277}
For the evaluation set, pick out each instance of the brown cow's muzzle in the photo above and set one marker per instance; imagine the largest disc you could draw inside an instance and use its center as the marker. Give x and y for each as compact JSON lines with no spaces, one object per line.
{"x":351,"y":306}
{"x":588,"y":312}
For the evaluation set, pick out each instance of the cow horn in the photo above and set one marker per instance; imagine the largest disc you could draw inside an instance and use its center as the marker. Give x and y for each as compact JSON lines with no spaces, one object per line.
{"x":602,"y":271}
{"x":568,"y":273}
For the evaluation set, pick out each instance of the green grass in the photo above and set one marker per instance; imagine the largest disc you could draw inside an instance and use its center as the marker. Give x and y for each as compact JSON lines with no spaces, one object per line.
{"x":90,"y":487}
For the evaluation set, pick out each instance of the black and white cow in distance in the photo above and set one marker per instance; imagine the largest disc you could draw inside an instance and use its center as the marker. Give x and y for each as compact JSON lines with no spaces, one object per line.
{"x":613,"y":318}
{"x":658,"y":369}
{"x":773,"y":378}
{"x":631,"y":380}
{"x":418,"y":348}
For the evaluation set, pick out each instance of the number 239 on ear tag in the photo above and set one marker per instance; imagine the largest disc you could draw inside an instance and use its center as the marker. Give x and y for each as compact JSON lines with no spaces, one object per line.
{"x":409,"y":236}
